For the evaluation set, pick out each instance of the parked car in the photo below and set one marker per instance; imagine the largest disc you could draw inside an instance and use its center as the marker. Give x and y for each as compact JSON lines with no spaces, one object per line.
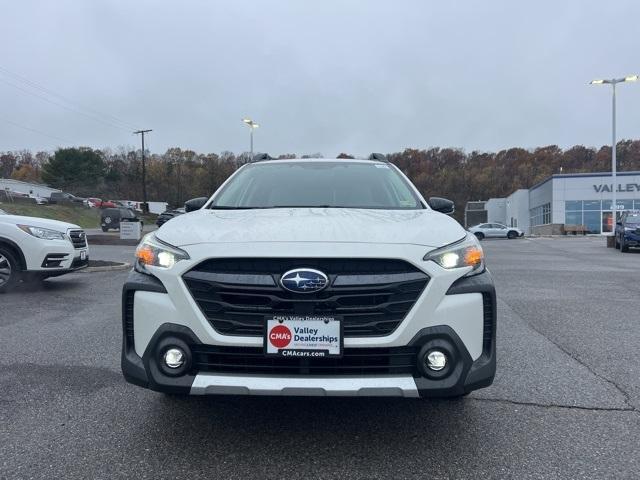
{"x":495,"y":230}
{"x":38,"y":247}
{"x":133,"y":205}
{"x":93,"y":202}
{"x":110,"y":218}
{"x":62,"y":197}
{"x":628,"y":231}
{"x":110,"y":204}
{"x":167,"y":215}
{"x":311,"y":277}
{"x":38,"y":199}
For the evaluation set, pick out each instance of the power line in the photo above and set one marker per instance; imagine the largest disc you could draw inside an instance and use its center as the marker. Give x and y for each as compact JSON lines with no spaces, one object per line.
{"x":37,"y":131}
{"x":48,"y":91}
{"x":64,"y":106}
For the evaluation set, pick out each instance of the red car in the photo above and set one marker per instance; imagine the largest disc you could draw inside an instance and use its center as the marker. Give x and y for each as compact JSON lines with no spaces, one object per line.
{"x":99,"y":203}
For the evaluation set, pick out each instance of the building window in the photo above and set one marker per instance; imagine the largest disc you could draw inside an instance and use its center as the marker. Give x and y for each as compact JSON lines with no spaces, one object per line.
{"x":592,"y":205}
{"x":573,"y":218}
{"x":592,"y":221}
{"x":540,"y":215}
{"x":589,"y":212}
{"x":622,"y":204}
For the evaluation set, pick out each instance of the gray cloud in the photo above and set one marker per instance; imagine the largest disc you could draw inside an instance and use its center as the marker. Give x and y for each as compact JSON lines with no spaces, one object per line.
{"x":323,"y":76}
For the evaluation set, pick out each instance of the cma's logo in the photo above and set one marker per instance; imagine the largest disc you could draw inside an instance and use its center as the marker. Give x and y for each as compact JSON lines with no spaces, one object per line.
{"x":628,"y":187}
{"x":304,"y":280}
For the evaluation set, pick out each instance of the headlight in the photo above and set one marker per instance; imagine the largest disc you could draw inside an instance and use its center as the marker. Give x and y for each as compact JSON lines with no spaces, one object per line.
{"x":465,"y":253}
{"x":43,"y":233}
{"x":154,"y":252}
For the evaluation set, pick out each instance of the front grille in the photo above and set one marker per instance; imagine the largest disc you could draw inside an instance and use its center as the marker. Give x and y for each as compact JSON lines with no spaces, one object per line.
{"x":78,"y":238}
{"x":372,"y":296}
{"x":355,"y":361}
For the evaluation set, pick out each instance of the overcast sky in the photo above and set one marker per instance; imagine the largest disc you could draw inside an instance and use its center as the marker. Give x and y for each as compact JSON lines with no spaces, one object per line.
{"x":324,"y":76}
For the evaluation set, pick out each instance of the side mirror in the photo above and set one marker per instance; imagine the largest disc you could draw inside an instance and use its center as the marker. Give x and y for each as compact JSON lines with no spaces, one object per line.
{"x":442,"y":205}
{"x":195,"y":204}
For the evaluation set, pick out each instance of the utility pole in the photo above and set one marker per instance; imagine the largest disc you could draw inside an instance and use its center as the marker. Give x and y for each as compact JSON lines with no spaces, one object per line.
{"x":145,"y":205}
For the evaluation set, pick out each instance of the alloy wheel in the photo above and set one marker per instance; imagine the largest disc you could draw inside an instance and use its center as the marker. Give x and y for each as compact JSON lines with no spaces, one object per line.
{"x":5,"y":270}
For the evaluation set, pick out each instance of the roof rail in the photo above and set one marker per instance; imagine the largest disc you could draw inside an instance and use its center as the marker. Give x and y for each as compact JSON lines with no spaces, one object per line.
{"x":259,"y":157}
{"x":378,"y":156}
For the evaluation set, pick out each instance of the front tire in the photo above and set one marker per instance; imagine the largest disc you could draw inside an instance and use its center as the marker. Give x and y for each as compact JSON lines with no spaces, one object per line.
{"x":623,"y":247}
{"x":512,"y":235}
{"x":479,"y":235}
{"x":9,"y":270}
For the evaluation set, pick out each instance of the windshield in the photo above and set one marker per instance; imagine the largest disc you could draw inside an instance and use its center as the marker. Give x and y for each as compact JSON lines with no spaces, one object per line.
{"x":632,"y":219}
{"x":317,"y":184}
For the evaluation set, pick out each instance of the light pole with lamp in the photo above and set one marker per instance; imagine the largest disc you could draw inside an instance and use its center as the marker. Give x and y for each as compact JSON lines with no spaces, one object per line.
{"x":252,"y":125}
{"x":613,"y":82}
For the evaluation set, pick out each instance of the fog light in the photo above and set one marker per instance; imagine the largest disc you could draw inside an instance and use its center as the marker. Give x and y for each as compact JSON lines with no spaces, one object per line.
{"x":174,"y":358}
{"x":436,"y":360}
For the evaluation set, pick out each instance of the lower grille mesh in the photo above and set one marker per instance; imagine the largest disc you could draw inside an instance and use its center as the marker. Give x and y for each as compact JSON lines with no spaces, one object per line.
{"x":128,"y":315}
{"x":355,"y":361}
{"x":487,"y":336}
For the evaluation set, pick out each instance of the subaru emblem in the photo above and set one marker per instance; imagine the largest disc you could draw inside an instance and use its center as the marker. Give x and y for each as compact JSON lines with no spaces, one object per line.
{"x":304,"y":280}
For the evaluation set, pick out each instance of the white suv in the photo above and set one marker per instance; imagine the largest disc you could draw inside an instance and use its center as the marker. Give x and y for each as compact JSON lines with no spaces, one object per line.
{"x":39,"y":247}
{"x":311,"y":277}
{"x":495,"y":230}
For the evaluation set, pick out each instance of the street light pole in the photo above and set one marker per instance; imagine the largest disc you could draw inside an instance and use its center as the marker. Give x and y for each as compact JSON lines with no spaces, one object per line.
{"x":252,"y":125}
{"x":614,"y":161}
{"x":614,"y":164}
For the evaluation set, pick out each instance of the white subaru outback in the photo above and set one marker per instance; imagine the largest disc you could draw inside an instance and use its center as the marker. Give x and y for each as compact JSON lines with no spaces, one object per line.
{"x":39,"y":247}
{"x":311,"y":277}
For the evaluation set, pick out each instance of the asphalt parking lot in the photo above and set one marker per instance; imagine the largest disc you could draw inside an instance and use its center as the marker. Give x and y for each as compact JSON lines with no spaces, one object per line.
{"x":565,"y":402}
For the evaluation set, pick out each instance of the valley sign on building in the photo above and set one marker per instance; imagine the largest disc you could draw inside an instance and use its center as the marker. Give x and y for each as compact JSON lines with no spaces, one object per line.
{"x":565,"y":201}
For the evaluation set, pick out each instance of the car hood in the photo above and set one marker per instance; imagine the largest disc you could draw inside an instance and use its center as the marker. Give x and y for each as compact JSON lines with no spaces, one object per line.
{"x":418,"y":227}
{"x":38,"y":222}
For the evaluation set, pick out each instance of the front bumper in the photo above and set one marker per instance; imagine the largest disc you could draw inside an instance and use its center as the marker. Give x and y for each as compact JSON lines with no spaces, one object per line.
{"x":632,"y":239}
{"x":472,"y":365}
{"x":53,"y":257}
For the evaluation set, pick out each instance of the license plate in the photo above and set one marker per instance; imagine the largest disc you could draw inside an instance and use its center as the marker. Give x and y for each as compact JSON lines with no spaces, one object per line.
{"x":83,"y":255}
{"x":303,"y":336}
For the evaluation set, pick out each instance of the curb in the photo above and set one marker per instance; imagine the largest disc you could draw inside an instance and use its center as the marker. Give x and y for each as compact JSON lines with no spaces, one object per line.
{"x":106,"y":268}
{"x":110,"y":240}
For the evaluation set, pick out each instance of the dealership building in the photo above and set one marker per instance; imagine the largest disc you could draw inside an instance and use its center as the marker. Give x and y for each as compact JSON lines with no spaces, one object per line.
{"x":563,"y":203}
